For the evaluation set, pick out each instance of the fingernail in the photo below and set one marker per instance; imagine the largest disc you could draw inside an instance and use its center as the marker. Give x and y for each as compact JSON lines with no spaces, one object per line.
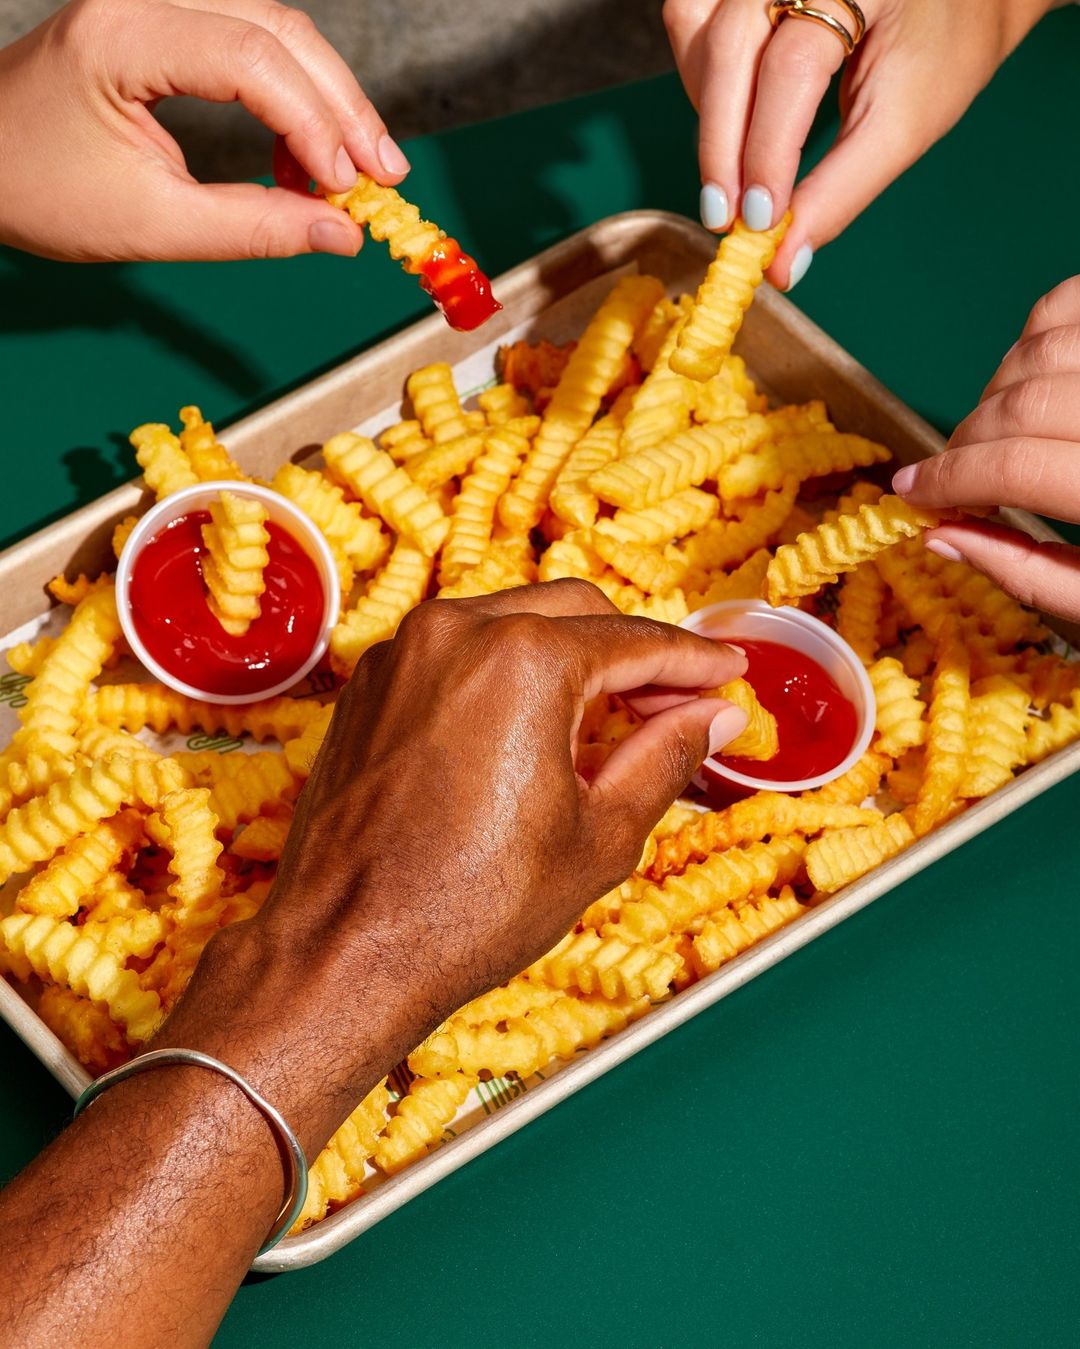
{"x":757,"y":208}
{"x":345,"y":170}
{"x":714,"y":207}
{"x":800,"y":265}
{"x":390,"y":156}
{"x":332,"y":236}
{"x":945,"y":550}
{"x":732,"y":646}
{"x":725,"y":726}
{"x":904,"y":479}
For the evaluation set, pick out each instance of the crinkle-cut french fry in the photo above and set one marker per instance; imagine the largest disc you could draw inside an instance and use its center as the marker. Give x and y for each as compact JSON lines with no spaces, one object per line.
{"x":261,"y":781}
{"x":528,"y":1042}
{"x":390,"y":219}
{"x":505,"y":565}
{"x":262,"y":839}
{"x":360,"y":538}
{"x":435,"y":402}
{"x":53,"y":698}
{"x":60,"y":953}
{"x":95,"y":741}
{"x":37,"y":831}
{"x":512,"y":999}
{"x":718,"y":400}
{"x":684,"y":513}
{"x":165,"y":466}
{"x":686,"y":460}
{"x":799,"y":519}
{"x":1049,"y":678}
{"x":900,"y":718}
{"x":589,"y":374}
{"x":727,"y":543}
{"x":607,"y":908}
{"x":502,"y":403}
{"x":662,"y":405}
{"x":810,"y":455}
{"x":445,"y":460}
{"x":209,"y":459}
{"x":473,"y":514}
{"x":122,"y":533}
{"x":733,"y":931}
{"x":649,"y":340}
{"x":724,"y":296}
{"x":337,"y":1174}
{"x":572,"y":499}
{"x":397,"y":588}
{"x":860,"y":783}
{"x":752,"y":819}
{"x":670,"y":608}
{"x":402,"y":440}
{"x":84,"y":1029}
{"x":996,"y":735}
{"x":74,"y":592}
{"x":948,"y":743}
{"x":760,"y":739}
{"x":728,"y":877}
{"x":998,"y":614}
{"x":114,"y":894}
{"x":609,"y":966}
{"x":386,"y":490}
{"x":62,"y":887}
{"x":302,"y":750}
{"x":906,"y":778}
{"x":235,"y":560}
{"x":819,"y":558}
{"x":245,"y":903}
{"x":42,"y":760}
{"x":858,"y":613}
{"x":206,"y":766}
{"x":28,"y":657}
{"x":1060,"y":727}
{"x":744,"y":583}
{"x":137,"y":932}
{"x":134,"y":707}
{"x":421,"y":1116}
{"x":653,"y":571}
{"x":732,"y":379}
{"x":187,"y":825}
{"x":572,"y":555}
{"x":843,"y":855}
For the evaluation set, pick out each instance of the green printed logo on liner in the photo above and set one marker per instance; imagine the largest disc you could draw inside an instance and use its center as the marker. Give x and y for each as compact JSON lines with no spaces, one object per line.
{"x":224,"y":744}
{"x":11,"y":689}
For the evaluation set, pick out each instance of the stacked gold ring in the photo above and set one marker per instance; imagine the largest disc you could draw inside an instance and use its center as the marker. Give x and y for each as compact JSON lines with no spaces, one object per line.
{"x":799,"y":9}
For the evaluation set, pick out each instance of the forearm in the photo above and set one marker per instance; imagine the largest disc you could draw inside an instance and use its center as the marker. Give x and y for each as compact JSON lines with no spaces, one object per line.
{"x":159,"y":1196}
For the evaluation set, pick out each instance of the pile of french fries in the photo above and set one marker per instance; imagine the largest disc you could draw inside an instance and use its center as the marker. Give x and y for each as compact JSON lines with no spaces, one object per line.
{"x":642,"y":459}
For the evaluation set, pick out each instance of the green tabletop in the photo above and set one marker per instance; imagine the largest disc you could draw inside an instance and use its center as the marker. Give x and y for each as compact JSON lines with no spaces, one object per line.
{"x":875,"y":1142}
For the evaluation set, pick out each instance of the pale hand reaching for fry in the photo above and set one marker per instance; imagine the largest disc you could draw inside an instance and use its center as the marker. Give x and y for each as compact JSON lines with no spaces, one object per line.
{"x":1020,"y":447}
{"x":81,"y":90}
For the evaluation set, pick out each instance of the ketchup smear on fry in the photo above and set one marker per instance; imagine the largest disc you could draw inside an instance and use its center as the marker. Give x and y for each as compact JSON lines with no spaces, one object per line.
{"x":458,"y":286}
{"x":168,"y":605}
{"x":817,"y":725}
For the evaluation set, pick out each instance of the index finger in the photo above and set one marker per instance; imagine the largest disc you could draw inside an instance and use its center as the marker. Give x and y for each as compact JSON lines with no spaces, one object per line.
{"x":621,"y":653}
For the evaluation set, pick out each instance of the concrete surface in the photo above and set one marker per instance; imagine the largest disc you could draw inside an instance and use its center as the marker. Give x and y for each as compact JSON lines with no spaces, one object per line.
{"x":430,"y":64}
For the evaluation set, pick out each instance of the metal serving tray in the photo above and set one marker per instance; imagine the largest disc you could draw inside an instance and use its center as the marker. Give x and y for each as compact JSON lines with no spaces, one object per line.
{"x":792,"y":359}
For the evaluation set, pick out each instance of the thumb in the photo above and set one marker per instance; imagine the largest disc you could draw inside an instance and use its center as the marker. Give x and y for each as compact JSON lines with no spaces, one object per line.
{"x":220,"y":221}
{"x":651,"y":767}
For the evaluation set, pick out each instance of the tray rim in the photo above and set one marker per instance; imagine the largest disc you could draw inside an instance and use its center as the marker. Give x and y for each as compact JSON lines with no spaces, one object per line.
{"x":328,"y":1236}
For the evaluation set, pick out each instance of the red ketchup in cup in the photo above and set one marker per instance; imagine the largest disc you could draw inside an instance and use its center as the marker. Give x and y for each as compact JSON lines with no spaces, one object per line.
{"x":169,"y":609}
{"x":812,"y":682}
{"x":162,"y":600}
{"x":816,"y":724}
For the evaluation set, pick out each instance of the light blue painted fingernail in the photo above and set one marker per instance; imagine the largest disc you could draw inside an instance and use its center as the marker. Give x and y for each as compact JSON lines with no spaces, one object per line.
{"x":757,"y":208}
{"x":800,"y":265}
{"x":714,"y":207}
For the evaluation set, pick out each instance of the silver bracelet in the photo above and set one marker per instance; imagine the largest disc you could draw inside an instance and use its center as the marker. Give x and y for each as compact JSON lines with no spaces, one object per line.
{"x":293,"y":1155}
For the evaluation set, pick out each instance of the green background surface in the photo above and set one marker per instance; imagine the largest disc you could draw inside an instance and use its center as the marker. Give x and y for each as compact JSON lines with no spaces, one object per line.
{"x":875,"y":1142}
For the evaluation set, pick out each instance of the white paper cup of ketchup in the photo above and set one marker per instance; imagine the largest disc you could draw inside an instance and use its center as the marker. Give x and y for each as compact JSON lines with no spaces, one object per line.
{"x":809,"y":679}
{"x":161,"y":599}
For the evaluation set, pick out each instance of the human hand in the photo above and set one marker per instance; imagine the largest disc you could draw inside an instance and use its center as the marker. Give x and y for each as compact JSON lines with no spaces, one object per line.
{"x":1020,"y":447}
{"x":88,"y":174}
{"x":757,"y":89}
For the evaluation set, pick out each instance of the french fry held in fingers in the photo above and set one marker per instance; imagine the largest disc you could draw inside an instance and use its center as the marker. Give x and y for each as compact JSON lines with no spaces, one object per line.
{"x":642,"y":459}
